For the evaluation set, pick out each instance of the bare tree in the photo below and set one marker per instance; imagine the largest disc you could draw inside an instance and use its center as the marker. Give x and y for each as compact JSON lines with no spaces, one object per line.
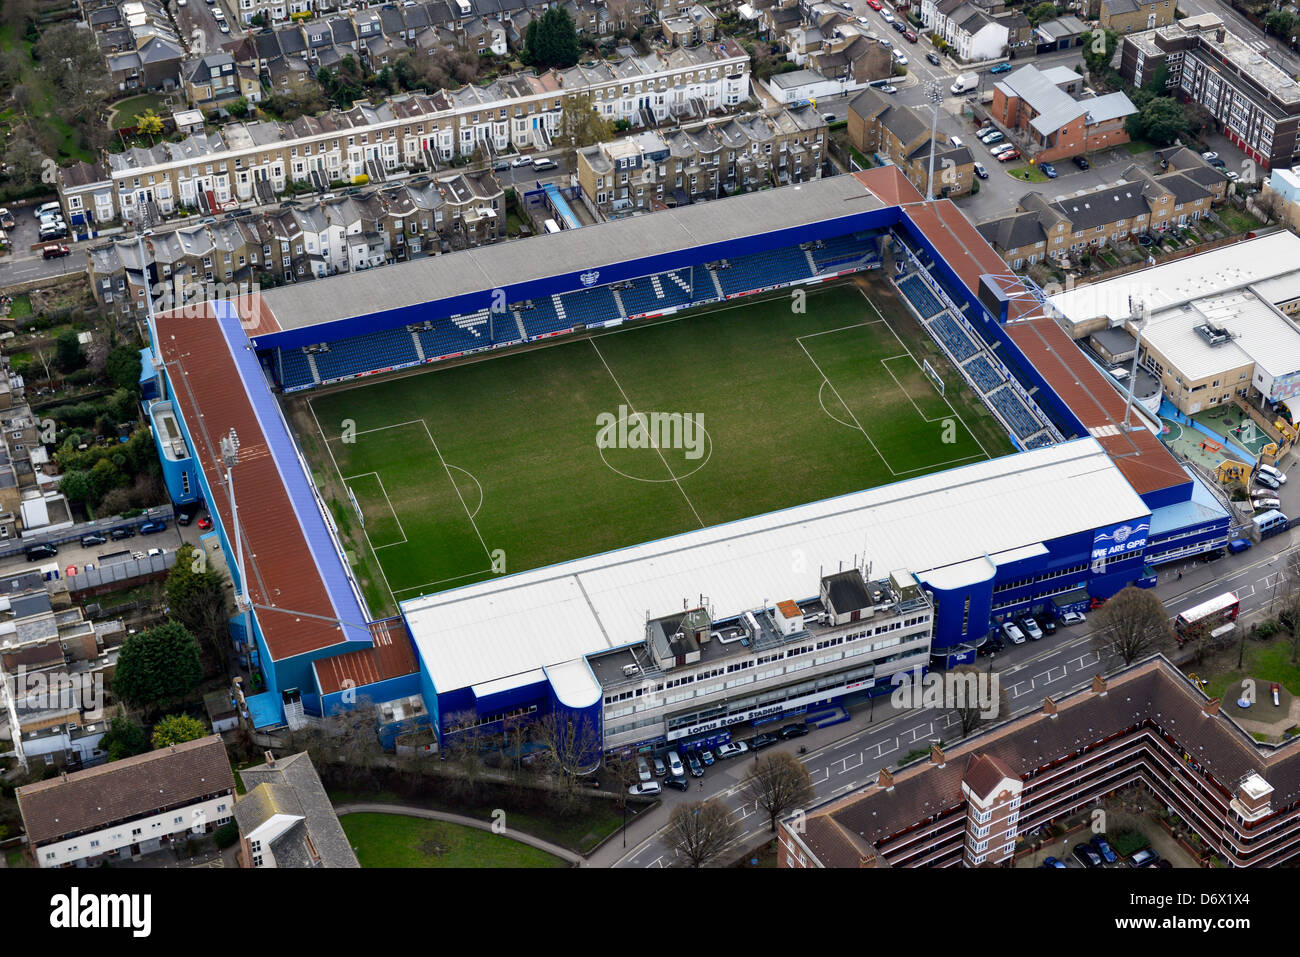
{"x":621,"y":772}
{"x":347,"y":741}
{"x":970,"y":692}
{"x":700,"y":830}
{"x":571,"y":749}
{"x":1131,"y":625}
{"x":463,"y":749}
{"x":778,"y":783}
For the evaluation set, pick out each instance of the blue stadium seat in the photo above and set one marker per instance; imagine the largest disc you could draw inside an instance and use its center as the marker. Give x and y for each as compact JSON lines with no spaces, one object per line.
{"x":702,"y":284}
{"x":589,"y":307}
{"x":952,"y":336}
{"x":543,"y":317}
{"x":919,"y":294}
{"x":840,"y":252}
{"x":1040,"y":441}
{"x":663,"y":291}
{"x":294,"y":369}
{"x":756,"y":271}
{"x":378,"y":350}
{"x":1014,"y":412}
{"x":983,"y":374}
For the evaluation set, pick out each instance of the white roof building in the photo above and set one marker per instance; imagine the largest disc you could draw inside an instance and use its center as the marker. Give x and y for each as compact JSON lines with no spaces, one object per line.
{"x":950,"y":528}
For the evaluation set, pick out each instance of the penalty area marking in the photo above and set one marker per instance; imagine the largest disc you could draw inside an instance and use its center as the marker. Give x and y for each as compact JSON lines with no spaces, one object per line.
{"x":348,"y":482}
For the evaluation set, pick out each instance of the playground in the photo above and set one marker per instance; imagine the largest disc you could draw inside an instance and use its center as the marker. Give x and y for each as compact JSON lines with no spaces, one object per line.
{"x":1236,"y":426}
{"x":1197,"y":447}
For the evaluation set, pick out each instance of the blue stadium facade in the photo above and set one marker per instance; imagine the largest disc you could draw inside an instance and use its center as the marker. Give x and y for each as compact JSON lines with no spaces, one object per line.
{"x":897,"y":233}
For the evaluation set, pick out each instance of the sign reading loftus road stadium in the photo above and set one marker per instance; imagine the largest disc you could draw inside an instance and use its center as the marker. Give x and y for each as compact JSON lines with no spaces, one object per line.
{"x":757,"y":714}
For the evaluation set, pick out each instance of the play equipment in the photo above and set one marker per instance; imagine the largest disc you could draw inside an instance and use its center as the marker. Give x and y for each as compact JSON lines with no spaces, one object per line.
{"x":1230,"y":470}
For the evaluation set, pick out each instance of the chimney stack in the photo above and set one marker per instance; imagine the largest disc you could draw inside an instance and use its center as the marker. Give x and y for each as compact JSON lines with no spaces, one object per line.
{"x":1099,"y":685}
{"x":1049,"y":707}
{"x":936,"y":756}
{"x":270,"y":759}
{"x":885,"y":780}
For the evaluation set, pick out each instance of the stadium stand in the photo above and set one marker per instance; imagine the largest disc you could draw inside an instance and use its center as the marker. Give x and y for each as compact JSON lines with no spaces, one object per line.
{"x":446,"y":338}
{"x":704,"y":283}
{"x":1040,"y":441}
{"x":844,"y":251}
{"x":953,"y":337}
{"x":295,"y":370}
{"x":662,"y":291}
{"x":379,"y":350}
{"x":544,"y":317}
{"x":1013,"y":411}
{"x":744,"y":273}
{"x":983,"y":374}
{"x":589,"y":306}
{"x":920,"y":296}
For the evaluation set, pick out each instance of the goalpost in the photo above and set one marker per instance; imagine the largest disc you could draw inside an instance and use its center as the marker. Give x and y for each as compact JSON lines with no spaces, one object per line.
{"x":938,"y":380}
{"x":356,"y":507}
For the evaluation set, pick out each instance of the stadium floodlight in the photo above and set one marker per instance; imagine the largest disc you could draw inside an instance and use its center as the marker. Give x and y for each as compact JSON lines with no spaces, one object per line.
{"x":936,"y":97}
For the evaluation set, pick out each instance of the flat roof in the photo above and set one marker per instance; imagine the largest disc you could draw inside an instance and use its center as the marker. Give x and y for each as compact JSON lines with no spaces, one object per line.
{"x":571,"y":250}
{"x":559,"y":613}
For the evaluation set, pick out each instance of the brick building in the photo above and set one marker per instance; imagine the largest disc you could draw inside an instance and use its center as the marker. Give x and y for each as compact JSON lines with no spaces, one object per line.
{"x":901,"y":134}
{"x":1041,"y":109}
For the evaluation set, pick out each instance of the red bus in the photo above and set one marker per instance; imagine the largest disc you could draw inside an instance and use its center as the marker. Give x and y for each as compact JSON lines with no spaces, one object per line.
{"x":1207,"y":615}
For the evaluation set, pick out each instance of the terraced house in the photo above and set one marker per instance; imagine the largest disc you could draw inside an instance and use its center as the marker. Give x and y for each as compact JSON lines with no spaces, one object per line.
{"x":662,"y":168}
{"x":1040,"y":228}
{"x":253,"y":162}
{"x":901,"y":134}
{"x":1147,"y":726}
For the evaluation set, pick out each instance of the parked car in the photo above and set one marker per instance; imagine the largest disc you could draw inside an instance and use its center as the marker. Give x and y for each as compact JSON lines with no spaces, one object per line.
{"x":1001,"y":68}
{"x":153,"y":551}
{"x":643,"y":770}
{"x":1008,"y":156}
{"x":1047,"y":623}
{"x":223,"y":26}
{"x":1053,"y":863}
{"x":900,"y":58}
{"x":874,"y":5}
{"x":887,"y":16}
{"x":1073,"y":618}
{"x":997,"y":136}
{"x":501,"y":166}
{"x":521,"y":161}
{"x":675,"y":767}
{"x":707,"y":757}
{"x":734,"y":749}
{"x":55,"y":252}
{"x":992,"y":645}
{"x":1104,"y":849}
{"x":909,"y":36}
{"x":899,"y":26}
{"x":1080,"y":162}
{"x":761,"y":741}
{"x":888,"y":88}
{"x":694,"y":766}
{"x":933,"y":58}
{"x":645,"y":789}
{"x":1209,"y":155}
{"x":1232,"y":175}
{"x":677,"y":784}
{"x":6,"y":219}
{"x":544,"y":162}
{"x":797,"y":730}
{"x":1238,"y":545}
{"x":1087,"y":855}
{"x":93,"y":539}
{"x":1030,"y":627}
{"x":36,"y":553}
{"x":1048,"y":170}
{"x":1267,"y":481}
{"x":980,"y":171}
{"x":118,"y":534}
{"x":152,"y":528}
{"x":1143,"y":858}
{"x":661,"y":769}
{"x":1218,"y":163}
{"x":884,"y":42}
{"x":1001,"y":148}
{"x":1012,"y":634}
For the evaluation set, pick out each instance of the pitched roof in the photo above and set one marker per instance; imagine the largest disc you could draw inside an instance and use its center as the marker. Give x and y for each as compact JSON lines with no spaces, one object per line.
{"x":126,"y":789}
{"x":291,"y":788}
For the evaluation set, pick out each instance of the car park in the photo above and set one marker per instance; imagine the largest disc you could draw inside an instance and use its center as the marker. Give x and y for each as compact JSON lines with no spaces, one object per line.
{"x":675,"y":767}
{"x":707,"y":757}
{"x":1001,"y":68}
{"x":1087,"y":855}
{"x":645,"y":789}
{"x":93,"y":539}
{"x":677,"y":784}
{"x":732,"y":750}
{"x":643,"y":770}
{"x":1012,"y":634}
{"x":1030,"y":627}
{"x":152,"y":528}
{"x":789,"y":731}
{"x":933,"y":58}
{"x":694,"y":766}
{"x":118,"y":534}
{"x":980,"y":171}
{"x":1048,"y":170}
{"x":1103,"y":848}
{"x":1081,"y":162}
{"x":1073,"y":618}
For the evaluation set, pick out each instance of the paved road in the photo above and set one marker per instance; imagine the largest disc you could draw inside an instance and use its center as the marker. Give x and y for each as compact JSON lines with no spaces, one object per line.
{"x":849,"y":755}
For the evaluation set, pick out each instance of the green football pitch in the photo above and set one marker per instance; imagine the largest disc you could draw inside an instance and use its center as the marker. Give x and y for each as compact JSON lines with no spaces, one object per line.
{"x":542,"y":455}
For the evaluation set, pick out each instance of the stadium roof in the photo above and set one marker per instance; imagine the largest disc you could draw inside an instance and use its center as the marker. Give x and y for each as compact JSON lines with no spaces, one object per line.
{"x":572,"y":250}
{"x":556,"y":614}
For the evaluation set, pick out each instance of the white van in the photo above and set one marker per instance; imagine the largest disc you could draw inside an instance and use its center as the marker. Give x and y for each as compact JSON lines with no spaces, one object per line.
{"x":47,"y":209}
{"x":1275,"y":473}
{"x":675,"y":765}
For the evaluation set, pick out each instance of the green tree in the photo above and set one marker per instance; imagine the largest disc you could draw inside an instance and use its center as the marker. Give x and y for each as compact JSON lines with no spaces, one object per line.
{"x":1163,"y":120}
{"x":75,"y":486}
{"x":552,"y":41}
{"x":149,"y":123}
{"x":196,"y":595}
{"x":124,"y":738}
{"x":239,"y":107}
{"x":157,"y":666}
{"x":1040,"y":12}
{"x":123,"y":367}
{"x":581,"y":125}
{"x":1098,"y":50}
{"x":1280,"y":22}
{"x":103,"y":478}
{"x":68,"y":352}
{"x":176,"y":729}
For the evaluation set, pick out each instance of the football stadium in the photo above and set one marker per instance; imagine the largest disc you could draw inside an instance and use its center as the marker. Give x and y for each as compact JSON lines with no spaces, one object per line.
{"x":670,"y":476}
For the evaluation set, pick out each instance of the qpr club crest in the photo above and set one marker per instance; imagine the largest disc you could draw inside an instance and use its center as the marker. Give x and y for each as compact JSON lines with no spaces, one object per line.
{"x":1122,"y":534}
{"x":589,"y":278}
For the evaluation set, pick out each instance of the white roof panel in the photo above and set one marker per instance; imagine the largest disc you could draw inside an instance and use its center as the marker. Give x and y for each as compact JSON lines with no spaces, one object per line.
{"x":555,"y":614}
